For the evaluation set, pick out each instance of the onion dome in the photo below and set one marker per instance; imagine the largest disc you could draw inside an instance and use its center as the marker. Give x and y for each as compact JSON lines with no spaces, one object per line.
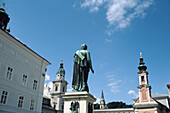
{"x":142,"y":67}
{"x":61,"y":69}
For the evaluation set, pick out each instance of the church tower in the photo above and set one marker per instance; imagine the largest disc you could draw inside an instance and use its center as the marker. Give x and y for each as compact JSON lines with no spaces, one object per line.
{"x":144,"y":87}
{"x":59,"y":88}
{"x":145,"y":103}
{"x":102,"y":101}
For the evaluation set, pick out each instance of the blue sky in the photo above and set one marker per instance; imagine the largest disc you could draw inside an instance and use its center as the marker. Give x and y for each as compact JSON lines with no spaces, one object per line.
{"x":115,"y":32}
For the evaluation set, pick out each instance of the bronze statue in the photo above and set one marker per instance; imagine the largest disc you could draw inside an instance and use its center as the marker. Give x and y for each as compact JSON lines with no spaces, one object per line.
{"x":82,"y":65}
{"x":4,"y":18}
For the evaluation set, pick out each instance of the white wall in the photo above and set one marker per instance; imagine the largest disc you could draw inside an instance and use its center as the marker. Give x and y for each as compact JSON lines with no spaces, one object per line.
{"x":23,"y":61}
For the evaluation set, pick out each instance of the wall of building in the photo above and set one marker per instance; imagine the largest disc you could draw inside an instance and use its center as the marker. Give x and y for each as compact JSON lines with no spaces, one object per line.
{"x":22,"y":61}
{"x":118,"y":110}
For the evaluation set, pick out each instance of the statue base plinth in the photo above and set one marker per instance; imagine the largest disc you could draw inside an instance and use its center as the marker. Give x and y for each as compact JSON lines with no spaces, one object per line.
{"x":84,"y":99}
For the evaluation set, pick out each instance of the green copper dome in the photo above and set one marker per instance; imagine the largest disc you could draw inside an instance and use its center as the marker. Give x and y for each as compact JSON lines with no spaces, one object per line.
{"x":61,"y":69}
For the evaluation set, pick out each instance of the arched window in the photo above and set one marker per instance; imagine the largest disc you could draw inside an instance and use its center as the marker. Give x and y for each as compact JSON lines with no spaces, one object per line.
{"x":63,"y":89}
{"x":62,"y":106}
{"x":56,"y":88}
{"x":142,"y":78}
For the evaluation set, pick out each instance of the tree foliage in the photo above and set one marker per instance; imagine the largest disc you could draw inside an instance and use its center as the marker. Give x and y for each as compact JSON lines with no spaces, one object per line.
{"x":96,"y":106}
{"x":118,"y":105}
{"x":112,"y":105}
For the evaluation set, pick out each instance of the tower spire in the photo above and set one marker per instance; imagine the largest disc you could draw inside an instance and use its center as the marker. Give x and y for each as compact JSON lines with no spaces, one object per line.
{"x":102,"y":96}
{"x":3,"y":5}
{"x":142,"y":67}
{"x":61,"y":69}
{"x":140,"y":54}
{"x":61,"y":64}
{"x":102,"y":101}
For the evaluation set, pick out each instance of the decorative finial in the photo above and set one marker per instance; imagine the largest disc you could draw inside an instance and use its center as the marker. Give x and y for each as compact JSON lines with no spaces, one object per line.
{"x":3,"y":5}
{"x":140,"y":54}
{"x":142,"y":67}
{"x":61,"y":64}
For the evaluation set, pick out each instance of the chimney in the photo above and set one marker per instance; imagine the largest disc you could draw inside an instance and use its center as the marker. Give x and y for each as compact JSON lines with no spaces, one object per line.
{"x":168,"y":85}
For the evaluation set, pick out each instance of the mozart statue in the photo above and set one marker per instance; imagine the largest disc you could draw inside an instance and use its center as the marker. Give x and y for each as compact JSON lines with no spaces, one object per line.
{"x":82,"y":66}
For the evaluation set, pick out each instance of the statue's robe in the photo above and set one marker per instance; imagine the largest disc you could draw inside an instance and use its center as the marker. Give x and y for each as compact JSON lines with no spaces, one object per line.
{"x":82,"y":64}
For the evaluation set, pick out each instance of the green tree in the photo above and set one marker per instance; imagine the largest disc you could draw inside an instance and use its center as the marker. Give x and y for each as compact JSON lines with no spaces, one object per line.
{"x":96,"y":106}
{"x":111,"y":105}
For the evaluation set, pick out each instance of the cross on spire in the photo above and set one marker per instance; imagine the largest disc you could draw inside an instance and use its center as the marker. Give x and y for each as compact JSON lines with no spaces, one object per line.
{"x":140,"y":54}
{"x":3,"y":5}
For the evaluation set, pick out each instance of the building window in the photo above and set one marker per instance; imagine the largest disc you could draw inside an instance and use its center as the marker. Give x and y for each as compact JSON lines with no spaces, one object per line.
{"x":63,"y":107}
{"x":142,"y":78}
{"x":4,"y":97}
{"x":63,"y":89}
{"x":32,"y":104}
{"x":20,"y":102}
{"x":56,"y":88}
{"x":35,"y":85}
{"x":9,"y":73}
{"x":24,"y":79}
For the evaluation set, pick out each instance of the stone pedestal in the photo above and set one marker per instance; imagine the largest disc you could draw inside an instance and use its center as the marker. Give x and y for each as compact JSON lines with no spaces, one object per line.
{"x":84,"y":99}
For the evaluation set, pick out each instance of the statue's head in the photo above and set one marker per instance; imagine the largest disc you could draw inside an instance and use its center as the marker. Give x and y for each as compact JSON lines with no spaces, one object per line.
{"x":83,"y":47}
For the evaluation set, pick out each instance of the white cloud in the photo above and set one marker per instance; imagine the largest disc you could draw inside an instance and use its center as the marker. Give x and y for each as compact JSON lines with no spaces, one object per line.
{"x":132,"y":92}
{"x":114,"y":83}
{"x":108,"y":40}
{"x":47,"y":77}
{"x":97,"y":101}
{"x":50,"y":85}
{"x":69,"y":89}
{"x":119,"y":13}
{"x":102,"y":65}
{"x":94,"y":9}
{"x":93,"y":4}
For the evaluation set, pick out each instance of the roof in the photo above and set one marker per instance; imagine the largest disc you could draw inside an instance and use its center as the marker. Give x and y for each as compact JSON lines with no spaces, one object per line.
{"x":26,"y":46}
{"x":161,"y":96}
{"x":46,"y":97}
{"x":156,"y":96}
{"x":115,"y":110}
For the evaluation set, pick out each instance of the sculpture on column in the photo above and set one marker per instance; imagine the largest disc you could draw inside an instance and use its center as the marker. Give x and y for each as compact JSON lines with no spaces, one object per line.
{"x":74,"y":107}
{"x":4,"y":19}
{"x":82,"y":66}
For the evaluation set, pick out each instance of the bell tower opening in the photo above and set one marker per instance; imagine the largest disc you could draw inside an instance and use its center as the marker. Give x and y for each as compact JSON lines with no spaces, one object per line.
{"x":142,"y":79}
